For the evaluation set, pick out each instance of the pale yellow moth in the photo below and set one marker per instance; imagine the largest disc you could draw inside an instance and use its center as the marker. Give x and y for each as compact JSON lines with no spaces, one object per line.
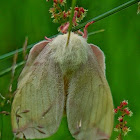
{"x":60,"y":79}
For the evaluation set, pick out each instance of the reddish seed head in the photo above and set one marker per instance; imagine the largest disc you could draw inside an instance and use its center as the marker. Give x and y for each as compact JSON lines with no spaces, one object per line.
{"x":55,"y":1}
{"x":125,"y":128}
{"x":119,"y":107}
{"x":125,"y":122}
{"x":126,"y":111}
{"x":61,"y":27}
{"x":82,"y":9}
{"x":122,"y":123}
{"x":124,"y":103}
{"x":61,"y":1}
{"x":76,"y":8}
{"x":117,"y":126}
{"x":115,"y":110}
{"x":78,"y":15}
{"x":120,"y":119}
{"x":65,"y":15}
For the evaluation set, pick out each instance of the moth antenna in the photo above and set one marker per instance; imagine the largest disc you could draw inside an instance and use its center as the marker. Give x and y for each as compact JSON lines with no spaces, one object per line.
{"x":80,"y":32}
{"x":49,"y":39}
{"x":85,"y":29}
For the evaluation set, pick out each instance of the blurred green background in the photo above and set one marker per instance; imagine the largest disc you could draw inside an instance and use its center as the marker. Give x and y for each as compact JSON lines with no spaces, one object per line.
{"x":120,"y":43}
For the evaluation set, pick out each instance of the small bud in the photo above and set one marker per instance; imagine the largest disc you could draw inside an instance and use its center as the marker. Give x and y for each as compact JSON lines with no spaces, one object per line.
{"x":126,"y":130}
{"x":125,"y":122}
{"x":115,"y":110}
{"x":120,"y":119}
{"x":65,"y":15}
{"x":55,"y":1}
{"x":130,"y":113}
{"x":127,"y":111}
{"x":76,"y":8}
{"x":82,"y":9}
{"x":124,"y":103}
{"x":116,"y":129}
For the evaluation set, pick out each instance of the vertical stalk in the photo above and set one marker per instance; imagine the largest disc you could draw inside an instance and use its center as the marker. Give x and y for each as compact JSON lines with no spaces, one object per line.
{"x":70,"y":21}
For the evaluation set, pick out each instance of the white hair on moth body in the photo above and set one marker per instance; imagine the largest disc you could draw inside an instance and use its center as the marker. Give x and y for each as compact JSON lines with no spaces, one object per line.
{"x":72,"y":56}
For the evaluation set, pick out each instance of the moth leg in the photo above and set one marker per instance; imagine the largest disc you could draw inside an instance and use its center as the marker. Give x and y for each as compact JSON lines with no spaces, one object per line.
{"x":64,"y":28}
{"x":74,"y":18}
{"x":49,"y":39}
{"x":80,"y":32}
{"x":85,"y":29}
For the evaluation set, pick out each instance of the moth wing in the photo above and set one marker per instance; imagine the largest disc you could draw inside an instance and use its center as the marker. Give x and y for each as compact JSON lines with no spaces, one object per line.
{"x":99,"y":55}
{"x":38,"y":104}
{"x":89,"y":102}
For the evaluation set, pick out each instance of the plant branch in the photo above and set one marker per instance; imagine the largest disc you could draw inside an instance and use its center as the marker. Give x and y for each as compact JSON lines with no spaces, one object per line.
{"x":70,"y":21}
{"x":2,"y":73}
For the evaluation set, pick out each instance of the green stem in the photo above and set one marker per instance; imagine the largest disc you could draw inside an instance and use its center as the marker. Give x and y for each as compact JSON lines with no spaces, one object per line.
{"x":10,"y":54}
{"x":10,"y":68}
{"x":108,"y":13}
{"x":71,"y":18}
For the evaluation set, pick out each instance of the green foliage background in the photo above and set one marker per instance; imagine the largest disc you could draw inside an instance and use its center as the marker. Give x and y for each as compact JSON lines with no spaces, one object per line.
{"x":120,"y":43}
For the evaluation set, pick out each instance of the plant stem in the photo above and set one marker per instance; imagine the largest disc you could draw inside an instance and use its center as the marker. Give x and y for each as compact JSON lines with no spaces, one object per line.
{"x":71,"y":18}
{"x":10,"y":68}
{"x":10,"y":54}
{"x":98,"y":18}
{"x":108,"y":13}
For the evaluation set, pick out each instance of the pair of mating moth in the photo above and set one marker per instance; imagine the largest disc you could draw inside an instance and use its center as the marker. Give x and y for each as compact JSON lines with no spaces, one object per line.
{"x":63,"y":79}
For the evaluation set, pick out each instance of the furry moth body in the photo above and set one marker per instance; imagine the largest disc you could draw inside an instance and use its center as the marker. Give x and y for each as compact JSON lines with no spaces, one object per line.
{"x":40,"y":98}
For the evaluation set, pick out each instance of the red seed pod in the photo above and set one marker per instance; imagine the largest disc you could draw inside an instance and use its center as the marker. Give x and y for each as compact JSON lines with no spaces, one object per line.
{"x":82,"y":9}
{"x":120,"y":119}
{"x":55,"y":1}
{"x":115,"y":110}
{"x":78,"y":15}
{"x":61,"y":1}
{"x":125,"y":122}
{"x":124,"y":103}
{"x":65,"y":15}
{"x":76,"y":8}
{"x":126,"y":110}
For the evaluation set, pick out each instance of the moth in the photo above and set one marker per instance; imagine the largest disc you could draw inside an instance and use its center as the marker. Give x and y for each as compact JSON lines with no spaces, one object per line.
{"x":63,"y":79}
